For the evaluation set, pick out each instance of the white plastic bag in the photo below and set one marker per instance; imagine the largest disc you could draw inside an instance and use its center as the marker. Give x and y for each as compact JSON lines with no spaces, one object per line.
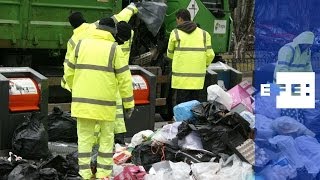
{"x":191,"y":141}
{"x":140,"y":137}
{"x":168,"y":170}
{"x":235,"y":169}
{"x":232,"y":169}
{"x":217,"y":94}
{"x":205,"y":170}
{"x":167,"y":133}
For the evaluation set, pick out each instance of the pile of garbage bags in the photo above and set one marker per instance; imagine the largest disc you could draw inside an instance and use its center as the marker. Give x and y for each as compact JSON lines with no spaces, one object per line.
{"x":206,"y":141}
{"x":52,"y":168}
{"x":287,"y":140}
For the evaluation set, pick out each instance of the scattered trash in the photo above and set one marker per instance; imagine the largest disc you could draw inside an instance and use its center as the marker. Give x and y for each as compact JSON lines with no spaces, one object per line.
{"x":140,"y":137}
{"x":167,"y":133}
{"x":131,"y":172}
{"x":217,"y":94}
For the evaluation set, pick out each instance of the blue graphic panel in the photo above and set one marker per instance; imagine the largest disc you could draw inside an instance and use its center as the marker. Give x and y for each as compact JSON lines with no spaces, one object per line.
{"x":287,"y":39}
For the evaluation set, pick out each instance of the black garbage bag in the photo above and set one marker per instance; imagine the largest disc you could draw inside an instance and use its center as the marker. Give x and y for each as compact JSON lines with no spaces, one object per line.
{"x":5,"y":168}
{"x":229,"y":130}
{"x":48,"y":174}
{"x":58,"y":163}
{"x":152,"y":14}
{"x":196,"y":156}
{"x":24,"y":172}
{"x":209,"y":111}
{"x":72,"y":160}
{"x":147,"y":154}
{"x":30,"y":139}
{"x":61,"y":126}
{"x":183,"y":130}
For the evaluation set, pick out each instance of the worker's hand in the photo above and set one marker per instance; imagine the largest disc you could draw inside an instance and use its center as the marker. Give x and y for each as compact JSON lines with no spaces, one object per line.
{"x":128,"y":112}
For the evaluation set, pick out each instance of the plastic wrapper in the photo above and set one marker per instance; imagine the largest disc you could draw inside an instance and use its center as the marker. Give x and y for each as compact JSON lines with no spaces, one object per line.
{"x":140,"y":137}
{"x":290,"y":127}
{"x":231,"y":168}
{"x":191,"y":141}
{"x":217,"y":94}
{"x":167,"y":133}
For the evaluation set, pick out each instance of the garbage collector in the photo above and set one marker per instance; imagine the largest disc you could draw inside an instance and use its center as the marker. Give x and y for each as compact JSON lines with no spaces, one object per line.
{"x":123,"y":16}
{"x":190,"y":49}
{"x":295,"y":57}
{"x":96,"y":71}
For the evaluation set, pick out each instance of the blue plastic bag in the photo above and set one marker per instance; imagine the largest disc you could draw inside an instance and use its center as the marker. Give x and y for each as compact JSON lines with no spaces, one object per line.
{"x":182,"y":112}
{"x":288,"y":126}
{"x":310,"y":148}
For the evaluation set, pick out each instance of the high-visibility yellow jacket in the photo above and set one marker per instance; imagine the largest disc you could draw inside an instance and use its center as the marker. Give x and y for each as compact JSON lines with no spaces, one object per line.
{"x":292,"y":59}
{"x":98,"y":70}
{"x":191,"y":54}
{"x":78,"y":34}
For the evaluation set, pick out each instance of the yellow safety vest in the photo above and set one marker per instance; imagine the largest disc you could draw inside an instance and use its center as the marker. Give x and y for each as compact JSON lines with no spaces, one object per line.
{"x":78,"y":34}
{"x":191,"y":54}
{"x":291,"y":59}
{"x":97,"y":71}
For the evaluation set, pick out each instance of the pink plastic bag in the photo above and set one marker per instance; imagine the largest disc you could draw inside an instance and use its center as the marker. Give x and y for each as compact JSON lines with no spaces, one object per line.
{"x":241,"y":96}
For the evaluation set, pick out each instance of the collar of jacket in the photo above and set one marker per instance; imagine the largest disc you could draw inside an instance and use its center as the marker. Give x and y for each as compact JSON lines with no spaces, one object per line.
{"x":101,"y":34}
{"x":81,"y":28}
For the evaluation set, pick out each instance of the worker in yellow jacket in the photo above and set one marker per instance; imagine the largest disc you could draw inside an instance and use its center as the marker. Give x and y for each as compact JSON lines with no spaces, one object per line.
{"x":125,"y":15}
{"x":98,"y":70}
{"x":80,"y":27}
{"x":190,"y":49}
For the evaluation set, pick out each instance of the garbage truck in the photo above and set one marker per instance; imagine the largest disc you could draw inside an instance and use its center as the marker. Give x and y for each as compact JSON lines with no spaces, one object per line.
{"x":34,"y":33}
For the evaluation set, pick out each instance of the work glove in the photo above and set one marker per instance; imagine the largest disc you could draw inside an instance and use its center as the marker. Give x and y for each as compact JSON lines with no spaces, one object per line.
{"x":128,"y":112}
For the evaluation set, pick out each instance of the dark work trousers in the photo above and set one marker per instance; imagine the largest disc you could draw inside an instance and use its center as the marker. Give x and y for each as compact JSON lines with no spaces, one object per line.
{"x":182,"y":95}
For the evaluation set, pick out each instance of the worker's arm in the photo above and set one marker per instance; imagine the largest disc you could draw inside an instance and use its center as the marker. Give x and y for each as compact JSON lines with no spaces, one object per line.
{"x":70,"y":48}
{"x":126,"y":13}
{"x":209,"y":52}
{"x":171,"y":45}
{"x":285,"y":58}
{"x":123,"y":76}
{"x":69,"y":66}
